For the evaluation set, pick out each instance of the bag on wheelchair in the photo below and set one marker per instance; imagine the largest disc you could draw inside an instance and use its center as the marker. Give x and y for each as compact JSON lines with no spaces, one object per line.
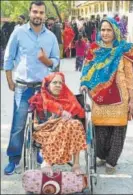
{"x":34,"y":181}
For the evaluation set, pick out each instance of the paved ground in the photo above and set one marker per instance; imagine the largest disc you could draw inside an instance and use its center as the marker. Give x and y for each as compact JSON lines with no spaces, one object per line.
{"x":120,"y":183}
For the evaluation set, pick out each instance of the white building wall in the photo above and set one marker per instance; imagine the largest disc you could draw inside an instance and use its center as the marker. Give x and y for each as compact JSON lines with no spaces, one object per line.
{"x":123,"y":8}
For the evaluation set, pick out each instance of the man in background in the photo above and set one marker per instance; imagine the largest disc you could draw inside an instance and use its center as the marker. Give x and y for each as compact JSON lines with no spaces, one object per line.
{"x":21,"y":21}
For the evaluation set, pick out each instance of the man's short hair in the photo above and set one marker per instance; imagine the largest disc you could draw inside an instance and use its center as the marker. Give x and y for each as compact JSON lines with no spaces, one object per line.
{"x":51,"y":18}
{"x":38,"y":3}
{"x":22,"y":16}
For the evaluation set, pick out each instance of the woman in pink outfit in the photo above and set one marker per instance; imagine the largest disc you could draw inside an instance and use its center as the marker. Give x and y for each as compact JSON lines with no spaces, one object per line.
{"x":81,"y":47}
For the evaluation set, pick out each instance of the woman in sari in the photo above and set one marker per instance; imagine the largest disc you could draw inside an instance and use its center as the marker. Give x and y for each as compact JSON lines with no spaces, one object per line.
{"x":61,"y":137}
{"x":108,"y":77}
{"x":68,"y":36}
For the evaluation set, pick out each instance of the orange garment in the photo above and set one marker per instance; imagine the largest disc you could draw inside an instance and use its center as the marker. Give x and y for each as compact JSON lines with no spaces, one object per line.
{"x":45,"y":101}
{"x":60,"y":139}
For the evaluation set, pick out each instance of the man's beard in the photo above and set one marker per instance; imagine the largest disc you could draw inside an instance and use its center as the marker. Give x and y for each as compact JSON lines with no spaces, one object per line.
{"x":36,"y":23}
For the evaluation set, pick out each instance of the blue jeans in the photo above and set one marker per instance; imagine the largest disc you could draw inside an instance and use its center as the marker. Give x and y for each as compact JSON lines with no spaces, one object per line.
{"x":21,"y":96}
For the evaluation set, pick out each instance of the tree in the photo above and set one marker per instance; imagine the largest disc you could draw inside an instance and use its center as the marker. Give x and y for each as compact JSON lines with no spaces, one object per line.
{"x":57,"y":11}
{"x":62,"y":7}
{"x":15,"y":8}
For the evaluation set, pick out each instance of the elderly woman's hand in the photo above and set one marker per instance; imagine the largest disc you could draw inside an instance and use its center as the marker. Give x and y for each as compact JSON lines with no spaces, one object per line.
{"x":66,"y":115}
{"x":37,"y":127}
{"x":131,"y":108}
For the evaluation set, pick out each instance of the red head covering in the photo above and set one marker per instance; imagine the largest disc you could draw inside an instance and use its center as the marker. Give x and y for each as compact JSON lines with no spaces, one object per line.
{"x":68,"y":36}
{"x":65,"y":101}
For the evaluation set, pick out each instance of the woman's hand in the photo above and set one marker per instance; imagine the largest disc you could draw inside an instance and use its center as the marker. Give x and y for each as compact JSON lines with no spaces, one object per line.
{"x":53,"y":116}
{"x":66,"y":115}
{"x":131,"y":108}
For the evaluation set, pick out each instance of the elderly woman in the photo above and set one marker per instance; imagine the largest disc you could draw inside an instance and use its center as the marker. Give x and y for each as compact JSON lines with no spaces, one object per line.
{"x":108,"y":77}
{"x":61,"y":136}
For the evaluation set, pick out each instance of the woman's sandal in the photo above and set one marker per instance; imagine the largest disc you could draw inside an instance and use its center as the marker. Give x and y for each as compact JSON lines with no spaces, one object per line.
{"x":77,"y":169}
{"x":110,"y":170}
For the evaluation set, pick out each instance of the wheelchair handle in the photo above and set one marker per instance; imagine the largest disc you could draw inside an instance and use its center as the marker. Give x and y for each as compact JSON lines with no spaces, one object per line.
{"x":86,"y":106}
{"x":31,"y":109}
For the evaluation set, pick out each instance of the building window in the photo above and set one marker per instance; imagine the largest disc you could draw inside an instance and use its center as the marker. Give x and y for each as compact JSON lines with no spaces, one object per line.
{"x":127,"y":6}
{"x":96,"y":8}
{"x":109,"y":6}
{"x":78,"y":12}
{"x":90,"y":9}
{"x":131,"y":7}
{"x":82,"y":12}
{"x":73,"y":12}
{"x":86,"y":11}
{"x":73,"y":3}
{"x":117,"y":4}
{"x":101,"y":7}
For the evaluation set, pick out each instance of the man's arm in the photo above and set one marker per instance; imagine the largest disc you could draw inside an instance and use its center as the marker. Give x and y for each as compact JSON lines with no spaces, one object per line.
{"x":55,"y":53}
{"x":10,"y":54}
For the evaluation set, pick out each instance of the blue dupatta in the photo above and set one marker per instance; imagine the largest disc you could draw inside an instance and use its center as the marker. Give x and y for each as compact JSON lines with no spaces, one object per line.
{"x":99,"y":74}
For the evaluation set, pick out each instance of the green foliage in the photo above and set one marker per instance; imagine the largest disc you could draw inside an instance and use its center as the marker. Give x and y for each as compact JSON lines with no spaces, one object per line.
{"x":50,"y":11}
{"x":15,"y":8}
{"x":64,"y":7}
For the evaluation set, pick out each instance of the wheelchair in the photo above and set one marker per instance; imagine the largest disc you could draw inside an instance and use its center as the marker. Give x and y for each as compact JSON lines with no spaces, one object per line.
{"x":31,"y":147}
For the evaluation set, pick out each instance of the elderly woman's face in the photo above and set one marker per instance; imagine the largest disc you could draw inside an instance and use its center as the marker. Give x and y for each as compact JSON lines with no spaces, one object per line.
{"x":107,"y":33}
{"x":55,"y":85}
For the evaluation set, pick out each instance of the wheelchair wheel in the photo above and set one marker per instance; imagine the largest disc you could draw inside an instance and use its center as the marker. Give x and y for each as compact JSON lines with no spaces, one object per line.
{"x":91,"y":163}
{"x":30,"y":149}
{"x":89,"y":170}
{"x":28,"y":146}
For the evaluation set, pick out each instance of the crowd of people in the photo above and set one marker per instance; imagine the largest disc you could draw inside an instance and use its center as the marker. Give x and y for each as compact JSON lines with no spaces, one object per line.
{"x":106,"y":75}
{"x":5,"y":33}
{"x":68,"y":33}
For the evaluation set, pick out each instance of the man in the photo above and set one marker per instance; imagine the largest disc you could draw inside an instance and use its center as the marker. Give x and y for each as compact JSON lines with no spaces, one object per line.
{"x":21,"y":21}
{"x":57,"y":30}
{"x":33,"y":52}
{"x":50,"y":23}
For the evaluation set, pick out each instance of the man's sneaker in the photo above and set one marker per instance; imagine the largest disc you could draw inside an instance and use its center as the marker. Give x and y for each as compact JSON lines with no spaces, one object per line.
{"x":39,"y":158}
{"x":10,"y":168}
